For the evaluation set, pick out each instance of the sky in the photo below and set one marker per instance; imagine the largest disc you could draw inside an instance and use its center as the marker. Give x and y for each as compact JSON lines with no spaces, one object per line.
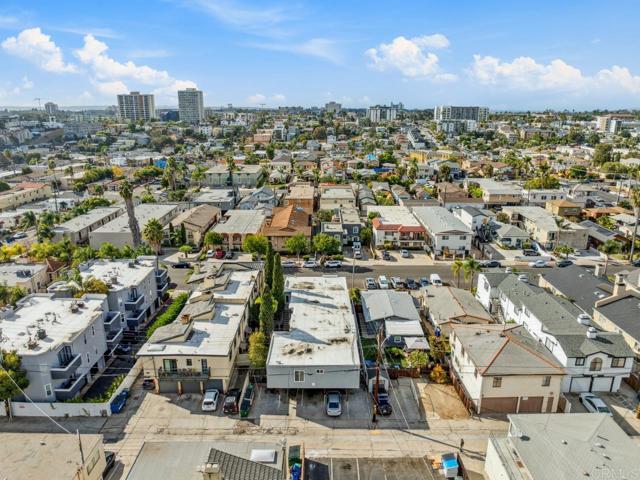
{"x":507,"y":55}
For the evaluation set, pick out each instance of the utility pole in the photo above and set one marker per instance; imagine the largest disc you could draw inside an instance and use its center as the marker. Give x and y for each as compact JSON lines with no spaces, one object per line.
{"x":374,"y":419}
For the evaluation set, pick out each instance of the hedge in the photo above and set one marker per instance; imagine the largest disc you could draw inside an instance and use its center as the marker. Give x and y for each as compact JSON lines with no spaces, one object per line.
{"x":170,"y":314}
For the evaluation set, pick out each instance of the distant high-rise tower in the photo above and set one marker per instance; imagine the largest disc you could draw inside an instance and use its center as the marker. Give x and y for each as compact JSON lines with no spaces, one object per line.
{"x":136,"y":106}
{"x":448,"y":112}
{"x":332,"y":107}
{"x":190,"y":105}
{"x":51,"y":108}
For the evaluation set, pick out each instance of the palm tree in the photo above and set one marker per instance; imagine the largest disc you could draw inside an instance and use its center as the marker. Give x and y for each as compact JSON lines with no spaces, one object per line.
{"x":471,"y":266}
{"x":154,"y":233}
{"x":608,"y":248}
{"x":457,"y":267}
{"x":126,"y":192}
{"x":28,"y":220}
{"x":634,"y":197}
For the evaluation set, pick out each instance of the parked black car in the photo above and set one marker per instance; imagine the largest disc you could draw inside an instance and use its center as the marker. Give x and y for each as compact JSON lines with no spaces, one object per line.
{"x":110,"y":457}
{"x":564,"y":263}
{"x":491,"y":264}
{"x":385,"y":255}
{"x":180,"y":265}
{"x":412,"y":284}
{"x":383,"y":405}
{"x":148,"y":384}
{"x":228,"y":255}
{"x":232,"y":402}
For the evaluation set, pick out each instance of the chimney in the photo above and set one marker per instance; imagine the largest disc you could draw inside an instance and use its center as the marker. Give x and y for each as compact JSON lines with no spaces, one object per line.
{"x":211,"y":471}
{"x":592,"y":333}
{"x":598,"y":270}
{"x":619,"y":286}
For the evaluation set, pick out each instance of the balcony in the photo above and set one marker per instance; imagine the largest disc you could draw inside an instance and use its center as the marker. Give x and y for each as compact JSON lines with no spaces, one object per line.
{"x":113,"y":321}
{"x":162,"y":289}
{"x":134,"y":302}
{"x":180,"y":373}
{"x":114,"y":337}
{"x":162,"y":276}
{"x":67,"y":369}
{"x":135,"y":318}
{"x":70,"y":388}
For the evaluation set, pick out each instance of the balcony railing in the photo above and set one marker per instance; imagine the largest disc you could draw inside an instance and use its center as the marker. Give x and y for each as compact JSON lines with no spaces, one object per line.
{"x":114,"y":337}
{"x":113,"y":320}
{"x":162,"y":289}
{"x":67,"y":369}
{"x":179,"y":373}
{"x":161,"y":275}
{"x":70,"y":388}
{"x":135,"y":318}
{"x":134,"y":302}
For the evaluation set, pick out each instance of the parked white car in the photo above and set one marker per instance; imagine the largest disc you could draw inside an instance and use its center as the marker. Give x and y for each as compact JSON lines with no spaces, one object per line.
{"x":210,"y":400}
{"x":333,"y":264}
{"x":334,"y":404}
{"x":594,"y":404}
{"x":435,"y":280}
{"x":383,"y":282}
{"x":288,"y":264}
{"x":539,"y":264}
{"x":310,"y":264}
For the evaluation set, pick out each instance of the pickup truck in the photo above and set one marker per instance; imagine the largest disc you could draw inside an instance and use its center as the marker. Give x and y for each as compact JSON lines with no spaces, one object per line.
{"x":383,"y":405}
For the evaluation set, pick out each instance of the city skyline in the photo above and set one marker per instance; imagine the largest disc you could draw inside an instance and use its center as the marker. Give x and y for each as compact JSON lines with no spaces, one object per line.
{"x":508,"y":57}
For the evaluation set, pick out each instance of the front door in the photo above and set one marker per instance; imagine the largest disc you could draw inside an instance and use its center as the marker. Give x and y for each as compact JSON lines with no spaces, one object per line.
{"x":170,"y":365}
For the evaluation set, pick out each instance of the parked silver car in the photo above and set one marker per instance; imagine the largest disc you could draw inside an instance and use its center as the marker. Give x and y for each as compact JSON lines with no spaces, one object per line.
{"x":334,"y":404}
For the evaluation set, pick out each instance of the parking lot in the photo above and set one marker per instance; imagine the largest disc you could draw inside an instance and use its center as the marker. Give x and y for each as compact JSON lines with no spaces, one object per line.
{"x":406,"y":468}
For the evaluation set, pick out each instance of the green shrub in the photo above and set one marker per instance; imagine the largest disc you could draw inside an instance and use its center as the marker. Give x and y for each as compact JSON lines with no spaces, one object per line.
{"x":170,"y":314}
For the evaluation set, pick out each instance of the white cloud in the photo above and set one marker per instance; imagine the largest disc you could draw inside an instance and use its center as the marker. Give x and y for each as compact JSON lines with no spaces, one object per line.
{"x":109,"y":74}
{"x":260,"y":98}
{"x":323,"y":48}
{"x":410,"y":57}
{"x":12,"y":90}
{"x":36,"y":47}
{"x":437,"y":40}
{"x":525,"y":73}
{"x":6,"y":20}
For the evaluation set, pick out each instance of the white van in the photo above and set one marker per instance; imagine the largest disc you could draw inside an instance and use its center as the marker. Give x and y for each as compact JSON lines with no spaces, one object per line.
{"x":435,"y":279}
{"x":383,"y":282}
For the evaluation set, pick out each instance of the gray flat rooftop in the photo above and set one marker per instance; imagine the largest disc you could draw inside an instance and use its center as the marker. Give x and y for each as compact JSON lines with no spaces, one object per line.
{"x":86,"y":220}
{"x":9,"y":272}
{"x":143,"y":212}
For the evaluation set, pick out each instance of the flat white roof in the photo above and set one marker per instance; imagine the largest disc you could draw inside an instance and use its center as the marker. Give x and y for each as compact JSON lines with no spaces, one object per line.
{"x":143,"y":212}
{"x":241,"y":221}
{"x":54,"y":316}
{"x":395,"y":215}
{"x":212,"y":337}
{"x":129,"y":273}
{"x":9,"y":272}
{"x":322,"y":326}
{"x":86,"y":220}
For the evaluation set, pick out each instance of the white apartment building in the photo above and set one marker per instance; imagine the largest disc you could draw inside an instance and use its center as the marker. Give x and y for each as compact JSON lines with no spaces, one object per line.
{"x":78,"y":228}
{"x":383,"y":113}
{"x":136,"y":106}
{"x":136,"y":287}
{"x":190,"y":105}
{"x":594,"y":360}
{"x":61,"y":341}
{"x":445,"y":233}
{"x":448,"y":112}
{"x":31,"y":277}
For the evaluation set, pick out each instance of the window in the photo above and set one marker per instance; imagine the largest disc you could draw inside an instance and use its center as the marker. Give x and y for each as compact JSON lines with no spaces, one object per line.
{"x":47,"y":390}
{"x":204,"y":365}
{"x":445,"y":237}
{"x":320,"y":371}
{"x":356,"y":230}
{"x":93,"y":330}
{"x":497,"y":382}
{"x":579,"y":361}
{"x":298,"y":376}
{"x":463,"y":237}
{"x":546,"y":381}
{"x":617,"y":362}
{"x":596,"y":365}
{"x":189,"y":362}
{"x":397,"y":339}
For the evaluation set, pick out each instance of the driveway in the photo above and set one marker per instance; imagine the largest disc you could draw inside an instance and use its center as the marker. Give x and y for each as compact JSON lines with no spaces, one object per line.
{"x":120,"y":366}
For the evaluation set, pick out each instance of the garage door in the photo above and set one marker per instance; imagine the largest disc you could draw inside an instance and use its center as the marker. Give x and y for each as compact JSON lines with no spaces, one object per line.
{"x":602,"y":384}
{"x":191,"y":386}
{"x":531,"y":404}
{"x":580,"y":384}
{"x":168,"y":386}
{"x":214,"y":383}
{"x":499,"y":405}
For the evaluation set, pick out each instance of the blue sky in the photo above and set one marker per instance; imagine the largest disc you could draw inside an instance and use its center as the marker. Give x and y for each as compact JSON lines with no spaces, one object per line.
{"x":545,"y":54}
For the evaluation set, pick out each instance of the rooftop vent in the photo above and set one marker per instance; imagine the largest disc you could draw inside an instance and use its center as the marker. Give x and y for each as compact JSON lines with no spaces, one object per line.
{"x":592,"y":333}
{"x":523,"y":277}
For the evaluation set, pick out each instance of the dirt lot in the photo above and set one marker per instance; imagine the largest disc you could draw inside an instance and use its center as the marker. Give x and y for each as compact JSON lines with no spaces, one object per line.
{"x":441,"y":402}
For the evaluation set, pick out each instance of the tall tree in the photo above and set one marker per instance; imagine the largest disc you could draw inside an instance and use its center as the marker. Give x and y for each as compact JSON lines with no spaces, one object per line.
{"x":471,"y":267}
{"x":212,"y":239}
{"x":277,"y":283}
{"x":126,"y":192}
{"x":256,"y":244}
{"x":268,"y":266}
{"x":634,"y":198}
{"x":456,"y":268}
{"x":297,"y":244}
{"x":267,"y":312}
{"x":154,"y":233}
{"x":12,"y":377}
{"x":608,"y":248}
{"x":258,"y":350}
